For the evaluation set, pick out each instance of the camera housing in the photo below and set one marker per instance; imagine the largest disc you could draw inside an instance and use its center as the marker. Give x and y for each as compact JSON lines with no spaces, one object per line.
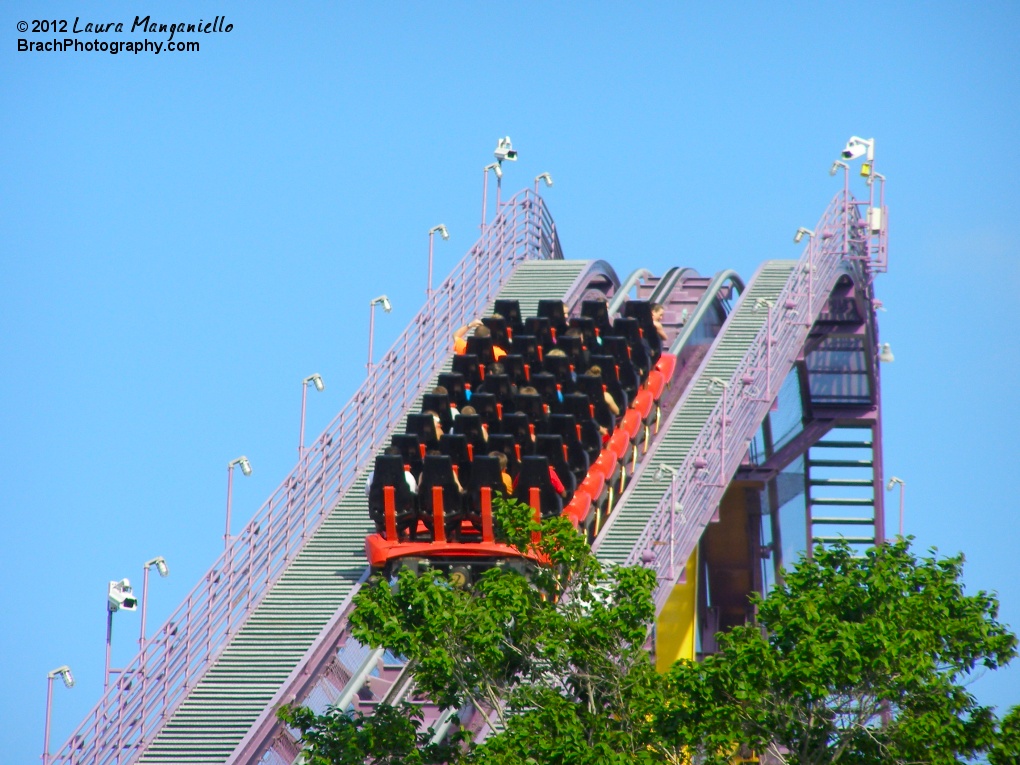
{"x":857,"y":147}
{"x":119,"y":597}
{"x":505,"y":150}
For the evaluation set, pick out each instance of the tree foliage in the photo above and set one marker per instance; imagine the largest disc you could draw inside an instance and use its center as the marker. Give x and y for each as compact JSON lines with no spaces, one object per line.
{"x":390,"y":736}
{"x":852,"y":661}
{"x":864,"y":660}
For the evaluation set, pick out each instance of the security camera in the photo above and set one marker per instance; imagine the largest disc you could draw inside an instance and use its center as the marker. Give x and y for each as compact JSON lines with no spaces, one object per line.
{"x":853,"y":151}
{"x":801,"y":232}
{"x":386,"y":304}
{"x":505,"y":150}
{"x":119,"y":597}
{"x":857,"y":146}
{"x":443,"y":232}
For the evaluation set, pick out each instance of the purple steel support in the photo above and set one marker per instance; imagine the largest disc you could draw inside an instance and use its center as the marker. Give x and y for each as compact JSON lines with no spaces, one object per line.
{"x":178,"y":653}
{"x":876,"y":451}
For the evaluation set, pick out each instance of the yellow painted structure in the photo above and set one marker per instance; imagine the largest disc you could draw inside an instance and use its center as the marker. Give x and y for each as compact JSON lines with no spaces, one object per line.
{"x":675,"y":628}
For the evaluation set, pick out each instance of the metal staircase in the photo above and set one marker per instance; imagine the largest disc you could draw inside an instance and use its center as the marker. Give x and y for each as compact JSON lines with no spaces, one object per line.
{"x":217,"y":714}
{"x":839,"y":477}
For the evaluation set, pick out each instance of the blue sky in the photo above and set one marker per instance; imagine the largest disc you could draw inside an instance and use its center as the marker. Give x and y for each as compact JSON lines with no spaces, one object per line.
{"x":187,"y":236}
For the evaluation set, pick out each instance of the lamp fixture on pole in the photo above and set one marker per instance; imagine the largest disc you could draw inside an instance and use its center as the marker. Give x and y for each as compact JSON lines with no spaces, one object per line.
{"x":446,"y":236}
{"x":485,"y":186}
{"x":903,"y":485}
{"x":387,"y":307}
{"x":65,"y":675}
{"x":320,"y":386}
{"x":160,"y":563}
{"x":246,"y":470}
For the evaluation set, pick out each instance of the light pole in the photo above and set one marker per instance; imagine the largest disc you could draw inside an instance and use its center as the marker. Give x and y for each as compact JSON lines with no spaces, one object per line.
{"x":432,"y":232}
{"x":903,"y":485}
{"x":320,"y":386}
{"x":801,"y":232}
{"x":385,"y":303}
{"x":160,"y":563}
{"x":246,"y":470}
{"x":68,"y":678}
{"x":544,"y":176}
{"x":119,"y":597}
{"x":485,"y":186}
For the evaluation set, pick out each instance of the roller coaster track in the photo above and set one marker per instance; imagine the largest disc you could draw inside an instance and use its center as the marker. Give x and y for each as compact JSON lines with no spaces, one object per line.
{"x":268,"y":623}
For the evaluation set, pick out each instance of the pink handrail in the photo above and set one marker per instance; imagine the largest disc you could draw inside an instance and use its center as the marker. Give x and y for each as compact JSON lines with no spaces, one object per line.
{"x":174,"y":659}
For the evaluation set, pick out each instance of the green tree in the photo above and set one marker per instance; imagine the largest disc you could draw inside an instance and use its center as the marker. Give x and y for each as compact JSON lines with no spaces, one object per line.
{"x":852,"y":661}
{"x":1006,"y":749}
{"x":863,"y":660}
{"x":557,"y":655}
{"x":391,"y":736}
